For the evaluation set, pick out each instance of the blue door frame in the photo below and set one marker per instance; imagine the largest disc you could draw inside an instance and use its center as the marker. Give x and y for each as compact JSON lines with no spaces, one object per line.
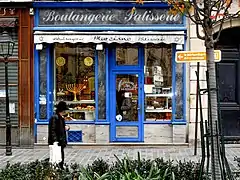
{"x":131,"y":70}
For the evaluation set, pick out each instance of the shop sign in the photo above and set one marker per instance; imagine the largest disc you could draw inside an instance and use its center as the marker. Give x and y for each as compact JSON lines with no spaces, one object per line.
{"x":71,"y":16}
{"x":125,"y":38}
{"x":191,"y":56}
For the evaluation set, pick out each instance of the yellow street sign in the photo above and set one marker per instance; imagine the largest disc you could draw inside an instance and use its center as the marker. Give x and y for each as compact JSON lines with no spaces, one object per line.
{"x":191,"y":56}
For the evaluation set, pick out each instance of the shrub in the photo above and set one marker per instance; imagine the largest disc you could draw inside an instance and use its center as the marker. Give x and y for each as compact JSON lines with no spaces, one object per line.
{"x":122,"y":169}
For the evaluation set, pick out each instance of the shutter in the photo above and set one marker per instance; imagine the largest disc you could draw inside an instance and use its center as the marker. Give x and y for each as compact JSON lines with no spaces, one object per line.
{"x":14,"y":34}
{"x":13,"y":91}
{"x":13,"y":83}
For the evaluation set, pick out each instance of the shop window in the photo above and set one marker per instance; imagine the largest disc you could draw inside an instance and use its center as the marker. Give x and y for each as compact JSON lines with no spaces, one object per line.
{"x":75,"y":79}
{"x":43,"y":85}
{"x":127,"y":97}
{"x":179,"y":91}
{"x":126,"y":55}
{"x":158,"y":82}
{"x":101,"y":85}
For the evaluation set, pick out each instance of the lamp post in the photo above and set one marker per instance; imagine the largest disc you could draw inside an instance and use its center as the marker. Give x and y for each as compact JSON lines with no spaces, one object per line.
{"x":6,"y":50}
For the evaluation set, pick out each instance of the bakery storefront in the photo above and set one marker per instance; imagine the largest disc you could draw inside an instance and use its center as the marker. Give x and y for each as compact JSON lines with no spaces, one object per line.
{"x":114,"y":67}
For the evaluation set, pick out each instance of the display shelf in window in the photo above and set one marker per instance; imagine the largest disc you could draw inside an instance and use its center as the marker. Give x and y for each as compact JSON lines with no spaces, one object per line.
{"x":158,"y":107}
{"x":83,"y":110}
{"x":78,"y":102}
{"x":80,"y":110}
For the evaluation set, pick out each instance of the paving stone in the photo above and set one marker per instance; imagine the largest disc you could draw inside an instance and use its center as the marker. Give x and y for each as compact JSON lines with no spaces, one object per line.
{"x":86,"y":155}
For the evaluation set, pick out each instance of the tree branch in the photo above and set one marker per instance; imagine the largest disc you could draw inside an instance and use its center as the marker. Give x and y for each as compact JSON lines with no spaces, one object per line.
{"x":193,"y":18}
{"x":215,"y":4}
{"x":221,"y":21}
{"x":199,"y":10}
{"x":198,"y":33}
{"x":187,"y":14}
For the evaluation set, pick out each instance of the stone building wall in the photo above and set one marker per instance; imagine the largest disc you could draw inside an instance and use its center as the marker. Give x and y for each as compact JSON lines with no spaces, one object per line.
{"x":100,"y":134}
{"x":195,"y":44}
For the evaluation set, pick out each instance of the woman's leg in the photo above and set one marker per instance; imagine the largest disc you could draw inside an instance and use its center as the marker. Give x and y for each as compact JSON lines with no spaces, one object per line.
{"x":62,"y":163}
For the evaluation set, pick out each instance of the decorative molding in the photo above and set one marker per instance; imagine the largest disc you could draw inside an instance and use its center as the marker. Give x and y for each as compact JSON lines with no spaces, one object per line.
{"x":6,"y":11}
{"x":3,"y":11}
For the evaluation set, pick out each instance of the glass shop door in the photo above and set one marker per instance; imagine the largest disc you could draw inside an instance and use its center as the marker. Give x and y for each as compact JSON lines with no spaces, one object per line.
{"x":126,"y":100}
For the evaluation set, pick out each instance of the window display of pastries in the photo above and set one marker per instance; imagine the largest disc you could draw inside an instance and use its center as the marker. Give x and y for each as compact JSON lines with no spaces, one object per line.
{"x":88,"y":108}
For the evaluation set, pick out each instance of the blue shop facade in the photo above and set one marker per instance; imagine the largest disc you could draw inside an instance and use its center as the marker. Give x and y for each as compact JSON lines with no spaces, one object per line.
{"x":115,"y":67}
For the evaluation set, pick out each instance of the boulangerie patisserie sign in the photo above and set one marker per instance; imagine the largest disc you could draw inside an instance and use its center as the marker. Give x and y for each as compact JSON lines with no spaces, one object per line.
{"x":74,"y":16}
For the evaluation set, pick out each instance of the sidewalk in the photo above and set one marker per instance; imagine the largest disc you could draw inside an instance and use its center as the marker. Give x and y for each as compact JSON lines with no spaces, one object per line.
{"x":86,"y":155}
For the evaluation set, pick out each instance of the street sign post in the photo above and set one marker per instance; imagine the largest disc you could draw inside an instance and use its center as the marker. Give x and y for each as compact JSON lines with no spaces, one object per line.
{"x":188,"y":57}
{"x":192,"y":56}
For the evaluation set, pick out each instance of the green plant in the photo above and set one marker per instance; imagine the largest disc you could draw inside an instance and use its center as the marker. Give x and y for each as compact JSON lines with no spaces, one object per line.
{"x":100,"y":166}
{"x":85,"y":175}
{"x":122,"y":169}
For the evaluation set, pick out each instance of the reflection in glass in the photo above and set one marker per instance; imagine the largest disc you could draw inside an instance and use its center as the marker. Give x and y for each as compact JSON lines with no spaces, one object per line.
{"x":126,"y":55}
{"x":158,"y":82}
{"x":127,"y":97}
{"x":179,"y":91}
{"x":43,"y":84}
{"x":158,"y":65}
{"x":101,"y":85}
{"x":75,"y":74}
{"x":227,"y":82}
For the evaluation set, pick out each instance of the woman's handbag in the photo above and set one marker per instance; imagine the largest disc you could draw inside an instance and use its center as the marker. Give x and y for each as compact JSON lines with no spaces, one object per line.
{"x":55,"y":153}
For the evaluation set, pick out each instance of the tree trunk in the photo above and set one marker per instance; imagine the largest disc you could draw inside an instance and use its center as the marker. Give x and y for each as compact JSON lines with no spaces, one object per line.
{"x":211,"y":67}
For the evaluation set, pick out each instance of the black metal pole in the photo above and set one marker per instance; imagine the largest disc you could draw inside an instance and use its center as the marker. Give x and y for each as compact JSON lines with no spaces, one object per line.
{"x":8,"y":122}
{"x":196,"y":119}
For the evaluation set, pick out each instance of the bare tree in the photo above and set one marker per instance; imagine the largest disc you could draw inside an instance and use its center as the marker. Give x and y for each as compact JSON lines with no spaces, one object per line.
{"x":207,"y":15}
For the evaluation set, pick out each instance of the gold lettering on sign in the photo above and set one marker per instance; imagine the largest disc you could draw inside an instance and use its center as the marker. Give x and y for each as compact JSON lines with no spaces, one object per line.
{"x":12,"y":11}
{"x":3,"y":11}
{"x":6,"y":11}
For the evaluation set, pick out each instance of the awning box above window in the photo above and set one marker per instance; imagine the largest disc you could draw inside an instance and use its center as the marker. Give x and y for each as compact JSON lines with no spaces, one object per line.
{"x":170,"y":37}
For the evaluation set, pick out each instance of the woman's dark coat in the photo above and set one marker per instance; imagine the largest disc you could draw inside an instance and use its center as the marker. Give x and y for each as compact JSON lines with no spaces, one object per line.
{"x":57,"y":131}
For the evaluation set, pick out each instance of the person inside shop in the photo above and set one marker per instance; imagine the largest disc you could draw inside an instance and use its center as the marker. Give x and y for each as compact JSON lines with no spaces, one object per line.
{"x":57,"y":129}
{"x":124,"y":104}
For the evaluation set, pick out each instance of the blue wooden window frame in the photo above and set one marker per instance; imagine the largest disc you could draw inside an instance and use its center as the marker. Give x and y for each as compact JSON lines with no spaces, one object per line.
{"x":100,"y":121}
{"x":50,"y":88}
{"x":49,"y":95}
{"x":173,"y":120}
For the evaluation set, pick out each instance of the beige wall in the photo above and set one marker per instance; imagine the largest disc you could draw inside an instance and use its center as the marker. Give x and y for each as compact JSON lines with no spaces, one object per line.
{"x":195,"y":44}
{"x":100,"y":134}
